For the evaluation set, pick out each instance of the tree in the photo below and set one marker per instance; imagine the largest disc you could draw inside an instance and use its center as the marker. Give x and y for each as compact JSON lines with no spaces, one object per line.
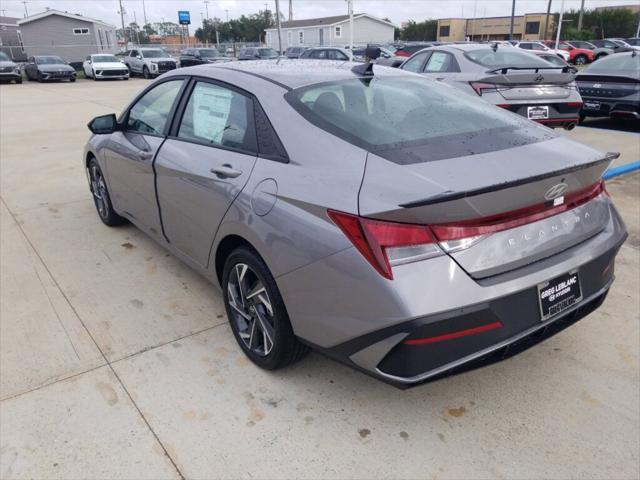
{"x":426,"y":30}
{"x":619,"y":22}
{"x":249,"y":28}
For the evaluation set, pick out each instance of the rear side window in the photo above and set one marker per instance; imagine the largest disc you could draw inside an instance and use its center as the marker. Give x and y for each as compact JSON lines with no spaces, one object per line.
{"x":440,"y":62}
{"x":150,"y":113}
{"x":408,"y":120}
{"x":504,"y":57}
{"x":216,"y":116}
{"x":414,"y":64}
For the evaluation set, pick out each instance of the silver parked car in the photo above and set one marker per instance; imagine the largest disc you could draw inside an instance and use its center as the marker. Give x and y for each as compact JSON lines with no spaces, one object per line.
{"x":149,"y":62}
{"x":384,"y":219}
{"x":505,"y":76}
{"x":327,"y":53}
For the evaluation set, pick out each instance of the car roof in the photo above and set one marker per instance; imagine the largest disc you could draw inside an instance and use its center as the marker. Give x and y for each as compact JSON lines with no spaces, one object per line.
{"x":295,"y":73}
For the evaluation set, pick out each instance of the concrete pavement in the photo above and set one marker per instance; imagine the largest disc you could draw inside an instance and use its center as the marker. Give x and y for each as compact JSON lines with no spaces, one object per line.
{"x":116,"y":360}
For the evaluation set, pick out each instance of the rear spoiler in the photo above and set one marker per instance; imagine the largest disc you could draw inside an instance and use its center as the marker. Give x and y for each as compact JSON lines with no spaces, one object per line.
{"x":450,"y":196}
{"x":504,"y":70}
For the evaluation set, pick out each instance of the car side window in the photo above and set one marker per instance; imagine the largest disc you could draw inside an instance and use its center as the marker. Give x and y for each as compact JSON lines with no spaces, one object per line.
{"x":337,"y":55}
{"x":439,"y":62}
{"x":150,"y":113}
{"x":134,"y":53}
{"x":217,"y":116}
{"x":525,"y":46}
{"x":415,"y":64}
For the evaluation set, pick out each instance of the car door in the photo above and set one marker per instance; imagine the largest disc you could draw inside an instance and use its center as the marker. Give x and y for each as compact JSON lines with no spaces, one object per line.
{"x":204,"y":164}
{"x":130,"y":153}
{"x":134,"y":62}
{"x":30,"y":68}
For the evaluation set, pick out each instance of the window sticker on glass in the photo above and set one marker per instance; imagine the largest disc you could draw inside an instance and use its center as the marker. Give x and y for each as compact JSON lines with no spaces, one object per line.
{"x":437,"y":62}
{"x":210,"y":114}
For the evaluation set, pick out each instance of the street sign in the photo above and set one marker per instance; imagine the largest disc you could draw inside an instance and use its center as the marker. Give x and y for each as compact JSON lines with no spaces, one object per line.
{"x":184,"y":18}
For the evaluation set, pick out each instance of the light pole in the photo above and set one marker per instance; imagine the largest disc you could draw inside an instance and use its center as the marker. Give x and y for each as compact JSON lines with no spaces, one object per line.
{"x":26,"y":12}
{"x":278,"y":24}
{"x":513,"y":12}
{"x":350,"y":4}
{"x":546,"y":22}
{"x":144,"y":12}
{"x":124,"y":31}
{"x":580,"y":16}
{"x":559,"y":24}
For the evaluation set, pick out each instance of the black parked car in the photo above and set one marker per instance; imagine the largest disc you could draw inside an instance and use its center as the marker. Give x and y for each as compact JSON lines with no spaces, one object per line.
{"x":258,"y":53}
{"x":48,"y":67}
{"x":198,"y":56}
{"x":611,"y":87}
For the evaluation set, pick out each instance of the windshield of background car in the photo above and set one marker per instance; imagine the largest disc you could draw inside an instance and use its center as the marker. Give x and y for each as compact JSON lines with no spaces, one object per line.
{"x":49,"y":60}
{"x":105,"y":59}
{"x":505,"y":57}
{"x":267,"y":53}
{"x":153,"y":54}
{"x":4,"y":57}
{"x":617,"y":62}
{"x":209,"y":53}
{"x":410,"y":120}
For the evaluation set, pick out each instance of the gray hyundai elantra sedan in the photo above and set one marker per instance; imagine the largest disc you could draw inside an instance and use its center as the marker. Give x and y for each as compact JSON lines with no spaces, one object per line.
{"x":386,"y":220}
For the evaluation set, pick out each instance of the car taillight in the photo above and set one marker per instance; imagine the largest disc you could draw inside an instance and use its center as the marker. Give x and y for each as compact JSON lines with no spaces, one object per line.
{"x":387,"y":244}
{"x":481,"y":87}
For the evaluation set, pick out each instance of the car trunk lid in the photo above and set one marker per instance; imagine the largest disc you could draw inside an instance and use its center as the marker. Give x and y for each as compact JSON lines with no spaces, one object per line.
{"x":516,"y":188}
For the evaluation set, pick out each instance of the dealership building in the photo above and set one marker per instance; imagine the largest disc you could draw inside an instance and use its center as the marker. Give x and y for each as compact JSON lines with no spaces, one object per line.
{"x":530,"y":26}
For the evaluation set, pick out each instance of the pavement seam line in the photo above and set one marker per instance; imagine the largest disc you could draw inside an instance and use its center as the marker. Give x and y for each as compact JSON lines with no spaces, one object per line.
{"x":135,"y":405}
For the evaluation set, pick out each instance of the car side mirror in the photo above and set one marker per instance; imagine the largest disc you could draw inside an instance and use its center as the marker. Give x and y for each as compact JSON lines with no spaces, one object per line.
{"x":104,"y":124}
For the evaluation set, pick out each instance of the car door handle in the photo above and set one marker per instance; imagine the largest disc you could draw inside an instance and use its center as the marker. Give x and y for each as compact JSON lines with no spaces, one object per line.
{"x":226,"y":171}
{"x":145,"y":155}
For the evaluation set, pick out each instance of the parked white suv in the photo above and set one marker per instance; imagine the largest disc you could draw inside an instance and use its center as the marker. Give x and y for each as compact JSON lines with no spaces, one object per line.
{"x":540,"y":47}
{"x":149,"y":62}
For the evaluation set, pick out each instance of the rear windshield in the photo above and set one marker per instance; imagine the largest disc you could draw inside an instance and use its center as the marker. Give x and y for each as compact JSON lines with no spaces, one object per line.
{"x":105,"y":58}
{"x":48,"y":60}
{"x":410,"y":120}
{"x":610,"y":63}
{"x":504,"y":57}
{"x":153,"y":53}
{"x":209,"y":52}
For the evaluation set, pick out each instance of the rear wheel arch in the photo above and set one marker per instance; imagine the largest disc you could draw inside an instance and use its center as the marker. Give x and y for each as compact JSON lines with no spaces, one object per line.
{"x":225,"y":248}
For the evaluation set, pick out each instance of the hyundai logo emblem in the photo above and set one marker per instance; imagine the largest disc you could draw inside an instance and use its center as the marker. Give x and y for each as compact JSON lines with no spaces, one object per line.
{"x":556,"y":191}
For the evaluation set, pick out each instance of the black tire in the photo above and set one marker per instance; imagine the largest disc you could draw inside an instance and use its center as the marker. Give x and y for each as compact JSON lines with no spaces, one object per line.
{"x":101,"y":198}
{"x":72,"y":80}
{"x":129,"y":68}
{"x":581,"y":60}
{"x":18,"y":81}
{"x":286,"y":348}
{"x":39,"y":77}
{"x":93,"y":75}
{"x":145,"y":72}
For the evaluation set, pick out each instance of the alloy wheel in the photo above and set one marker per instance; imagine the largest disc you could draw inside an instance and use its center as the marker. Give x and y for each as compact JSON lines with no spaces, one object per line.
{"x":252,"y":309}
{"x":99,"y":190}
{"x":580,"y":60}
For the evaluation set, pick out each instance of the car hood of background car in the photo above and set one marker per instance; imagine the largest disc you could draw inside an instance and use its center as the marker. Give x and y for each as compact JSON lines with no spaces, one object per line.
{"x":55,"y":67}
{"x":6,"y":64}
{"x":109,"y":65}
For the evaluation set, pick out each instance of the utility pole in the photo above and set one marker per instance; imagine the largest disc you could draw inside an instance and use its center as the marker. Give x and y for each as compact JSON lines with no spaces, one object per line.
{"x":546,"y":22}
{"x":350,"y":4}
{"x":227,"y":12}
{"x":144,"y":13}
{"x":124,"y":31}
{"x":26,"y":12}
{"x":290,"y":10}
{"x":513,"y":12}
{"x":206,"y":6}
{"x":581,"y":14}
{"x":278,"y":25}
{"x":559,"y":24}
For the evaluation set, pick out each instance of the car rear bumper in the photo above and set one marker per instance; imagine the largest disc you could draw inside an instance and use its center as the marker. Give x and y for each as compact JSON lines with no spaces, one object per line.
{"x":610,"y":107}
{"x":561,"y":114}
{"x":459,"y":322}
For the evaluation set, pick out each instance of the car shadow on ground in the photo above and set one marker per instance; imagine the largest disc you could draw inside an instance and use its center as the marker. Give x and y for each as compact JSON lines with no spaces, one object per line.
{"x":619,"y":124}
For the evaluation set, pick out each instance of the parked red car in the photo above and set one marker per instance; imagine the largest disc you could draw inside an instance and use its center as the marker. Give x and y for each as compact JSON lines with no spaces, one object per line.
{"x":579,"y":56}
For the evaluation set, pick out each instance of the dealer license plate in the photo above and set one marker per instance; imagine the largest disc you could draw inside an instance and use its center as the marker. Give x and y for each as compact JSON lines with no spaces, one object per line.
{"x":537,"y":113}
{"x":559,"y":294}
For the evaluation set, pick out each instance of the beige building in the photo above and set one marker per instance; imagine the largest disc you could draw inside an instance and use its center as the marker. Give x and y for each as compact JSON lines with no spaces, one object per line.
{"x":525,"y":27}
